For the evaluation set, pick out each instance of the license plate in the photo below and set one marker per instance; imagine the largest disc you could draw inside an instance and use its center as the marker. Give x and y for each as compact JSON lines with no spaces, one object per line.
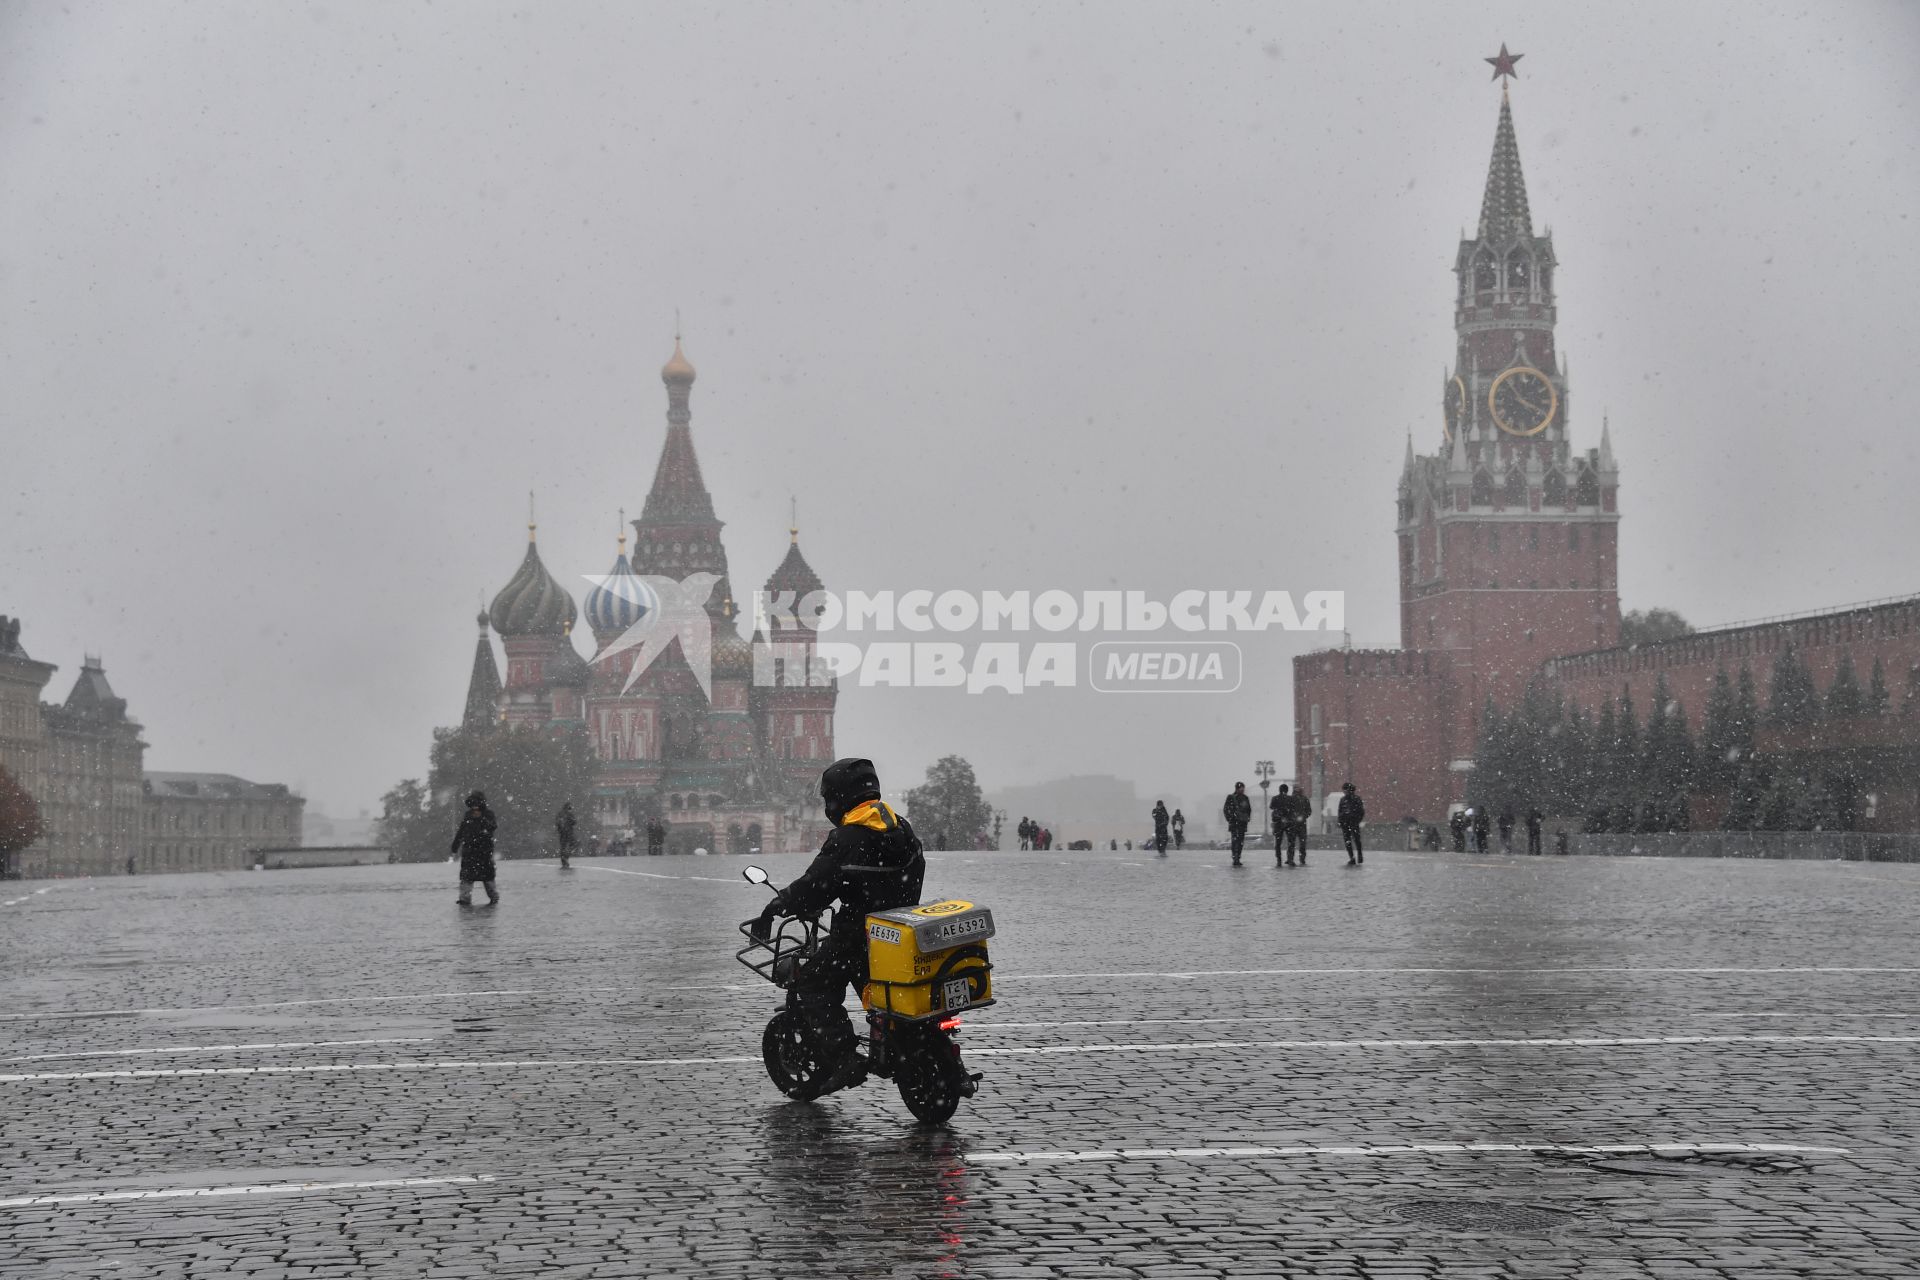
{"x":957,"y":994}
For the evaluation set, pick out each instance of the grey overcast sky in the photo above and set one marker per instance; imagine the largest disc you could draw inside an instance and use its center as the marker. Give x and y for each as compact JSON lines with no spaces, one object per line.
{"x":297,"y":302}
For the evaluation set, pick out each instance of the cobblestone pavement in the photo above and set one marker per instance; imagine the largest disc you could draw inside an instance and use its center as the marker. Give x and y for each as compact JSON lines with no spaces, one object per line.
{"x":1432,"y":1066}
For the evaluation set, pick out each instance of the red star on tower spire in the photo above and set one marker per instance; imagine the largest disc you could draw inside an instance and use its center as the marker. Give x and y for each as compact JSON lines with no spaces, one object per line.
{"x":1503,"y":62}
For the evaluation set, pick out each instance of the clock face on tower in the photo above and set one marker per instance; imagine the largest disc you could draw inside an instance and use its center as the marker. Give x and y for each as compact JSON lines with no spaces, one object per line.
{"x":1454,"y":406}
{"x":1522,"y":401}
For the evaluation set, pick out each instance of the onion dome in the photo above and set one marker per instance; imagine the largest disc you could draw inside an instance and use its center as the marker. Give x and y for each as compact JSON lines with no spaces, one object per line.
{"x":568,"y":666}
{"x":532,"y":603}
{"x":678,"y":370}
{"x":621,"y":598}
{"x":732,"y":656}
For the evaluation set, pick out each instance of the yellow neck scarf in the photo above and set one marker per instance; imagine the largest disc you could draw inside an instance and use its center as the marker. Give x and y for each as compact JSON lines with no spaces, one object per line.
{"x":870,"y":813}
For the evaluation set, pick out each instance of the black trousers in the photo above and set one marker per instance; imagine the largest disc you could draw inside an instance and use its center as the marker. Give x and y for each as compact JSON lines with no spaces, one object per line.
{"x":1238,"y":831}
{"x":1296,"y":837}
{"x":822,"y":991}
{"x":1351,"y":834}
{"x":1533,"y":839}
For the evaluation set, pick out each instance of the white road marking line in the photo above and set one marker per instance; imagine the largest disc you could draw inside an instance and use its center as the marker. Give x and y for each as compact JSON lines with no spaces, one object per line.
{"x":1558,"y":1042}
{"x":1412,"y":1148}
{"x":221,"y":1048}
{"x":1007,"y":1051}
{"x":258,"y":1189}
{"x":1810,"y":1014}
{"x":1003,"y":978}
{"x":14,"y":902}
{"x":1360,"y":972}
{"x":660,"y":875}
{"x":984,"y":1025}
{"x":335,"y":1068}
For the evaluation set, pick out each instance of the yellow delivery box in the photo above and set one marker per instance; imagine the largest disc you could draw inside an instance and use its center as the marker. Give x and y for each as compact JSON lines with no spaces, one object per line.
{"x":926,"y":961}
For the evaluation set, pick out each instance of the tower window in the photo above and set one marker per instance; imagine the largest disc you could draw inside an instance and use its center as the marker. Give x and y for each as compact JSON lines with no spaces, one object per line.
{"x":1533,"y":538}
{"x":1519,"y":270}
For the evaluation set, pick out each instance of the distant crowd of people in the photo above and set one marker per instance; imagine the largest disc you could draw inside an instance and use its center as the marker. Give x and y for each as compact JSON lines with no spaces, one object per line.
{"x":1033,"y":835}
{"x":1476,"y":824}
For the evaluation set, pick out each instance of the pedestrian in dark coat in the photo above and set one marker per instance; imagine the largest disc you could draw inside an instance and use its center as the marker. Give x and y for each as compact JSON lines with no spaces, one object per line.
{"x":1534,"y":819}
{"x":1289,"y":824}
{"x":1179,"y":829}
{"x":1351,"y":813}
{"x":563,"y":827}
{"x":1238,"y":811}
{"x":1482,"y":829}
{"x":1506,"y":831}
{"x":1302,"y":814}
{"x":474,"y":843}
{"x":1457,"y":825}
{"x":1161,"y":820}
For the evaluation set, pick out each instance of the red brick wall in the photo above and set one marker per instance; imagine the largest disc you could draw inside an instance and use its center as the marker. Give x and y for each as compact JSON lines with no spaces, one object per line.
{"x":1389,"y":720}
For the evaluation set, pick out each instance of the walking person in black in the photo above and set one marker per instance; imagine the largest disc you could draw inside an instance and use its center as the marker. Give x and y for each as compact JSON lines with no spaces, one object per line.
{"x":1534,"y":819}
{"x":1506,"y":830}
{"x":1352,"y":812}
{"x":1457,"y":825}
{"x":1179,"y":829}
{"x":474,"y":843}
{"x":1302,"y":814}
{"x":1280,"y":818}
{"x":563,"y":827}
{"x":1482,"y":829}
{"x":1160,"y":821}
{"x":1238,"y":811}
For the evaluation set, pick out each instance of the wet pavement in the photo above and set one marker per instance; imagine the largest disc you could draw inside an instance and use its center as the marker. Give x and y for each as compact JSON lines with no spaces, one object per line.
{"x":1435,"y":1065}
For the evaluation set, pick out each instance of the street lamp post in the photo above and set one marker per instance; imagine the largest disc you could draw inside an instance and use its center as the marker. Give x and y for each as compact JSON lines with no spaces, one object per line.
{"x":1264,"y":770}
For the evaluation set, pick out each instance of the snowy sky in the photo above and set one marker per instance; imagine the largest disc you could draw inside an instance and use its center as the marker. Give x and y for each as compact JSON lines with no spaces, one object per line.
{"x":297,"y":302}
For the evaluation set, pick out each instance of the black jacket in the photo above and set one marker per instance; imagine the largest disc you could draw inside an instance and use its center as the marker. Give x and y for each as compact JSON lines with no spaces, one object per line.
{"x":1353,"y":810}
{"x":1238,"y":810}
{"x":474,"y":843}
{"x":1281,"y":809}
{"x":564,"y":825}
{"x":863,"y":870}
{"x":1160,"y":818}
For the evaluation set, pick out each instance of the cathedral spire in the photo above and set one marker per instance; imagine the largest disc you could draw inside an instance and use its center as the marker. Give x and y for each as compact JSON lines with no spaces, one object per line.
{"x":1503,"y":210}
{"x":679,"y":494}
{"x":483,"y":688}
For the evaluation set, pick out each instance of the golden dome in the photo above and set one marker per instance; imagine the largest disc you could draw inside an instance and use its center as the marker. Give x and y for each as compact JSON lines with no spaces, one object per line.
{"x":678,"y":369}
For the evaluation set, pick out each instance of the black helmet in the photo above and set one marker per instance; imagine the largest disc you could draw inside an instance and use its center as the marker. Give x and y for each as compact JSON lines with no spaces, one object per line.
{"x":845,"y":783}
{"x":477,"y":799}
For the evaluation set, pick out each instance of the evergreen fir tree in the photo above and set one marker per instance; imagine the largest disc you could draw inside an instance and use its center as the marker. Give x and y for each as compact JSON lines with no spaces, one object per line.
{"x":1624,"y":766}
{"x":1879,"y":701}
{"x":1844,"y":698}
{"x":1716,"y":766}
{"x":1792,"y":698}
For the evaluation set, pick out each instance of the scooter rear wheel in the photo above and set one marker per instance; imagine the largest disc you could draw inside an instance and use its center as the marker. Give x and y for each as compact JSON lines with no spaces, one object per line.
{"x":929,"y":1077}
{"x":789,"y":1057}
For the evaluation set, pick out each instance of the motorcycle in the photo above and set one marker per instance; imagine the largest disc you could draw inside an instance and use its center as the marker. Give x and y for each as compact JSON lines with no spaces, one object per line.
{"x":925,"y":965}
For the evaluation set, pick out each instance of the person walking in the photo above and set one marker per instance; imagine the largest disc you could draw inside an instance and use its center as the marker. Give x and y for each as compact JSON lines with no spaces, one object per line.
{"x":563,"y":827}
{"x":1238,"y":811}
{"x":1160,"y":823}
{"x":656,"y":836}
{"x":1534,"y":820}
{"x":1482,"y":829}
{"x":1351,"y":813}
{"x":1179,"y":829}
{"x":1280,"y":818}
{"x":1457,"y":827}
{"x":1302,"y":814}
{"x":1506,"y":830}
{"x":474,"y":843}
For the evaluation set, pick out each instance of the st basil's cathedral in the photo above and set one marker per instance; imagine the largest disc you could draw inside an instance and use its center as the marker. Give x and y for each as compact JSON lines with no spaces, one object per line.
{"x":734,"y":771}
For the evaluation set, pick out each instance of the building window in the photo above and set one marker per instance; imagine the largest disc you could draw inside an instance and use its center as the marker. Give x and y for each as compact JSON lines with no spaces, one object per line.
{"x":1573,"y":537}
{"x":1493,"y":541}
{"x":1533,"y":538}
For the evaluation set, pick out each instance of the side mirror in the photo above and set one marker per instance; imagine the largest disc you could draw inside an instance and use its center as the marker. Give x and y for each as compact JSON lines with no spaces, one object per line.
{"x":756,"y":875}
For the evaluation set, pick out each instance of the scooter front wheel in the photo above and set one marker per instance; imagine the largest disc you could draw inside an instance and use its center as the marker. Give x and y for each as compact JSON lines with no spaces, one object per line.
{"x":791,"y":1063}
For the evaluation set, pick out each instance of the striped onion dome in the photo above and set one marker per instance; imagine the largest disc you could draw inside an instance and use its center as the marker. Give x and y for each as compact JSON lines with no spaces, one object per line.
{"x":620,"y":599}
{"x":532,"y":603}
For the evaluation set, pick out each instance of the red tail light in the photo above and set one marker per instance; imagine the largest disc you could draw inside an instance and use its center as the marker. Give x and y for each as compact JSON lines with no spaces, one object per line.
{"x":948,"y":1024}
